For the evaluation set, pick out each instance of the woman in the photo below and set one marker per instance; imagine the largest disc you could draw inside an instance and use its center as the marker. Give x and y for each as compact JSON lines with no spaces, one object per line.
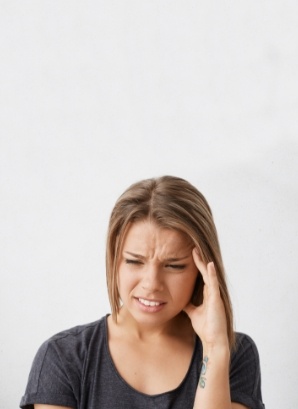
{"x":169,"y":342}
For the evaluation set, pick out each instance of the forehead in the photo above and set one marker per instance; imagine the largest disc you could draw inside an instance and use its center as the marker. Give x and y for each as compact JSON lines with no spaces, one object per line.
{"x":148,"y":236}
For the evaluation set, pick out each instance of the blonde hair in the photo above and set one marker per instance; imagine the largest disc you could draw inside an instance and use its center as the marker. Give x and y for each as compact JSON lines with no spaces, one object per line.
{"x":172,"y":203}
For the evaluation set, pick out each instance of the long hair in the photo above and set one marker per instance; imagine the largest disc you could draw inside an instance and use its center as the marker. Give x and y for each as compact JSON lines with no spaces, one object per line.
{"x":172,"y":203}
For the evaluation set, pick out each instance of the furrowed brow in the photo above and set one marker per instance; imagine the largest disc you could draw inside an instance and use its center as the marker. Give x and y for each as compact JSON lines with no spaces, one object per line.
{"x":135,"y":255}
{"x":168,"y":260}
{"x":174,"y":259}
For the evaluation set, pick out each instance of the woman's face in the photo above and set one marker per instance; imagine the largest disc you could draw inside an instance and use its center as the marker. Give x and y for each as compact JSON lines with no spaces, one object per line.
{"x":156,"y":271}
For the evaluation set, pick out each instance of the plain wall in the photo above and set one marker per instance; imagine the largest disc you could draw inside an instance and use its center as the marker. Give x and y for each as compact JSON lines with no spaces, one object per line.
{"x":95,"y":95}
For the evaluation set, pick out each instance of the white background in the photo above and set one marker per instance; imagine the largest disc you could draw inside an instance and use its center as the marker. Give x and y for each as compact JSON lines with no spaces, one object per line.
{"x":95,"y":95}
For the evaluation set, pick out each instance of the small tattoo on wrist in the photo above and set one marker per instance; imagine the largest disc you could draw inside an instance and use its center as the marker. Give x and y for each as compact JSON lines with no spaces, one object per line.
{"x":202,"y":380}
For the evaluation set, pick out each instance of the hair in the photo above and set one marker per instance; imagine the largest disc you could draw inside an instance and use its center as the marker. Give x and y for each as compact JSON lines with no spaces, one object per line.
{"x":171,"y":203}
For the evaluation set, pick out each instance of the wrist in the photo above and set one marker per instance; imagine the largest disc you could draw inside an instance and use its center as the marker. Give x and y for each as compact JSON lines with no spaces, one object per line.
{"x":220,"y":349}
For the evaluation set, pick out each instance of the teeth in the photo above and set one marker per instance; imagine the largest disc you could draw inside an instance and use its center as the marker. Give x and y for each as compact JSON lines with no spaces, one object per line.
{"x":149,"y":303}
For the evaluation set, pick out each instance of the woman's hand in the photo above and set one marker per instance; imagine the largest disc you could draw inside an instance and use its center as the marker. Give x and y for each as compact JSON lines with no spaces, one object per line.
{"x":208,"y":319}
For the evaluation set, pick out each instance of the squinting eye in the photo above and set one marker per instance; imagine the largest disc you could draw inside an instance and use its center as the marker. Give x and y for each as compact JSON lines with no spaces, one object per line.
{"x":129,"y":261}
{"x":176,"y":266}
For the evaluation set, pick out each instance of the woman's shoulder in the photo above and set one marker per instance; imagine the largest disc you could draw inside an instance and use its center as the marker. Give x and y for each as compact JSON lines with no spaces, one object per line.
{"x":244,"y":342}
{"x":75,"y":340}
{"x":60,"y":361}
{"x":245,"y":352}
{"x":79,"y":331}
{"x":245,"y":372}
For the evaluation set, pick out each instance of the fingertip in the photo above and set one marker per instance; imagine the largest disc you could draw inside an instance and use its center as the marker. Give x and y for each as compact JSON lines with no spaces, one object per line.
{"x":212,"y":273}
{"x":195,"y":251}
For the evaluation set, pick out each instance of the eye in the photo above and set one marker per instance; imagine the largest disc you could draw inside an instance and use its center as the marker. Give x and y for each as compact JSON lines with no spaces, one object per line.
{"x":130,"y":261}
{"x":176,"y":266}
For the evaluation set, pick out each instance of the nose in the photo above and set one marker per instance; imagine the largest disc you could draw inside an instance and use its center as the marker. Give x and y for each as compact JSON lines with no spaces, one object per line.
{"x":152,"y":279}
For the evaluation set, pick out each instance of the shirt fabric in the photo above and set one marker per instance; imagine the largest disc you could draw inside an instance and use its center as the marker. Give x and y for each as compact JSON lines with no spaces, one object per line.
{"x":74,"y":368}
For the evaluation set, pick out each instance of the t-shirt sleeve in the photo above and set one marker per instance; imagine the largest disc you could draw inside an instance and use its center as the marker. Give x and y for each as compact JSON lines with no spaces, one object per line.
{"x":51,"y":380}
{"x":245,"y":374}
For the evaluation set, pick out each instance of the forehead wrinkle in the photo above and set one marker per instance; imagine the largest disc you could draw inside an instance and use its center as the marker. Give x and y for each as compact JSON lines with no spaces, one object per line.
{"x":147,"y":241}
{"x":169,"y":260}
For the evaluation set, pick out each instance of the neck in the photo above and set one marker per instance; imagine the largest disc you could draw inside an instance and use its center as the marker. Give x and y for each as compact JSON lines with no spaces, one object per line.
{"x":179,"y":326}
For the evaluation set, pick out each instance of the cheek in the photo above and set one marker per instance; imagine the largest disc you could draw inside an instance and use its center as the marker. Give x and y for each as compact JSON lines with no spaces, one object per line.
{"x":192,"y":284}
{"x":184,"y":286}
{"x":126,"y":282}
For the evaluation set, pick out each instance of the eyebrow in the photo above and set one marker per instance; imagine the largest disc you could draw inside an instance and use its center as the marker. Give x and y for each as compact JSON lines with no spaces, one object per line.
{"x":169,"y":260}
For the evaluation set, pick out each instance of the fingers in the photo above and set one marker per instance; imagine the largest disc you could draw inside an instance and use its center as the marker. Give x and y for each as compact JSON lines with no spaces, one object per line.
{"x":208,"y":272}
{"x":199,"y":263}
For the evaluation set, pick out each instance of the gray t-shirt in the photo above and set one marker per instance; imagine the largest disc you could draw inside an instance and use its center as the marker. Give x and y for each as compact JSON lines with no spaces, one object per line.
{"x":74,"y":368}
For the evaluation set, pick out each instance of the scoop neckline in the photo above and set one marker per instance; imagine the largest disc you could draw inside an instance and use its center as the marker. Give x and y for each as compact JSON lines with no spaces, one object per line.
{"x":127,"y":385}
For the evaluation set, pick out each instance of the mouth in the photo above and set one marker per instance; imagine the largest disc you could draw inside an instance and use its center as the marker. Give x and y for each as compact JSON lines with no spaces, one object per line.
{"x":150,"y":306}
{"x":149,"y":303}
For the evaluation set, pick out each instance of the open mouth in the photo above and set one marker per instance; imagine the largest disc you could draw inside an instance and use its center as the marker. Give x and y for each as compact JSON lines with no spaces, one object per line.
{"x":149,"y":303}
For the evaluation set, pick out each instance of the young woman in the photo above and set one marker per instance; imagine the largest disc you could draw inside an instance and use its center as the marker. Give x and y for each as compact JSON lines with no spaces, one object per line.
{"x":169,"y":342}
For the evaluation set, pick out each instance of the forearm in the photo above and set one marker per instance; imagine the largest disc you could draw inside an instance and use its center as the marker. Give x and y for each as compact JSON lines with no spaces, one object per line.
{"x":213,"y":390}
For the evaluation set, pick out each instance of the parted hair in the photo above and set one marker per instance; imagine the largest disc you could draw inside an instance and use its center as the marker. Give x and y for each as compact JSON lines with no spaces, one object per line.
{"x":171,"y":203}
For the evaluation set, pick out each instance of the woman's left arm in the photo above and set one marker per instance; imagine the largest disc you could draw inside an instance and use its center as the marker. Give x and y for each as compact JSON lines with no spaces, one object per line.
{"x":209,"y":322}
